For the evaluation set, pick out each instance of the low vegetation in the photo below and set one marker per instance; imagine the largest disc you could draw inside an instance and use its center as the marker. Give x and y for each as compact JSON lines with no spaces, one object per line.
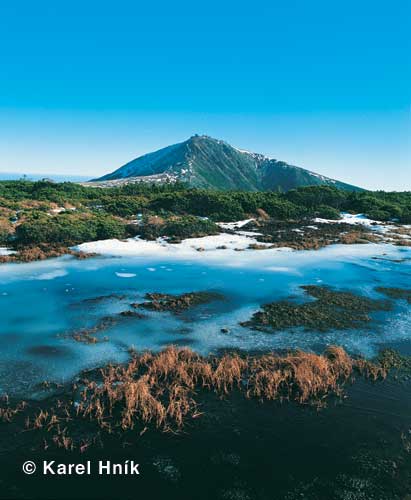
{"x":126,"y":201}
{"x":38,"y":214}
{"x":332,"y":310}
{"x":165,"y":390}
{"x":161,"y":388}
{"x":174,"y":228}
{"x":177,"y":303}
{"x":389,"y":359}
{"x":67,"y":228}
{"x":88,"y":335}
{"x":396,"y":293}
{"x":301,"y":234}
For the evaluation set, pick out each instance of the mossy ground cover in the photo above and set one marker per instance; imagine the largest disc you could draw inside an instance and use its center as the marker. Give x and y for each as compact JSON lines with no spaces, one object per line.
{"x":177,"y":303}
{"x":156,"y":302}
{"x":330,"y":310}
{"x":392,"y":360}
{"x":396,"y":293}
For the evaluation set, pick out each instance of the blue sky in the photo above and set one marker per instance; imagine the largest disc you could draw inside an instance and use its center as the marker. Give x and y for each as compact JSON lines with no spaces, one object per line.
{"x":87,"y":86}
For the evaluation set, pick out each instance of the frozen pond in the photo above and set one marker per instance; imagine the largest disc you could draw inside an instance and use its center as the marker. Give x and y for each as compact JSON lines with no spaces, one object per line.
{"x":43,"y":303}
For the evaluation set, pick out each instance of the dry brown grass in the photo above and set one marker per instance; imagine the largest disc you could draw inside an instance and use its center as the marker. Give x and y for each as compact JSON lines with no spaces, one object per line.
{"x":161,"y":389}
{"x":7,"y":411}
{"x":262,"y":214}
{"x":164,"y":390}
{"x":370,"y":370}
{"x":155,"y":220}
{"x":300,"y":376}
{"x":33,"y":253}
{"x":403,"y":243}
{"x":42,"y":251}
{"x":352,"y":237}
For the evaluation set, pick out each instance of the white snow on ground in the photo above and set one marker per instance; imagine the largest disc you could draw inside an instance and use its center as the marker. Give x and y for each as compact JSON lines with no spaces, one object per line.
{"x":248,"y":233}
{"x":218,"y":247}
{"x":351,"y":219}
{"x":160,"y":247}
{"x":233,"y":249}
{"x":357,"y":219}
{"x":270,"y":259}
{"x":360,"y":219}
{"x":224,"y":249}
{"x":234,"y":225}
{"x":57,"y":210}
{"x":5,"y":251}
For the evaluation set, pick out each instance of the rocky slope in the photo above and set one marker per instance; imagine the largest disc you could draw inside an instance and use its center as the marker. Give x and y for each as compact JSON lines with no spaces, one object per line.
{"x":204,"y":162}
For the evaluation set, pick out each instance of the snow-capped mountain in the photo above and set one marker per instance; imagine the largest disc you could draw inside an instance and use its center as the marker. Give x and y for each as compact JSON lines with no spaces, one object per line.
{"x":204,"y":162}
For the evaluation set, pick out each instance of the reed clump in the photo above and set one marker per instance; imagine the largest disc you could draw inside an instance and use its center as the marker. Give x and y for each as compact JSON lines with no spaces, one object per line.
{"x":167,"y":389}
{"x":163,"y":388}
{"x":9,"y":411}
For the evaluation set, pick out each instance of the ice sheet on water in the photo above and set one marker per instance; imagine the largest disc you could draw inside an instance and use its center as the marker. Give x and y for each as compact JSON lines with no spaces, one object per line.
{"x":36,"y":312}
{"x":223,"y":249}
{"x":57,"y":273}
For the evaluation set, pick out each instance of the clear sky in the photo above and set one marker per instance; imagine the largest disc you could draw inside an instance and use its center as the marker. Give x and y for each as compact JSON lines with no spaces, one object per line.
{"x":86,"y":86}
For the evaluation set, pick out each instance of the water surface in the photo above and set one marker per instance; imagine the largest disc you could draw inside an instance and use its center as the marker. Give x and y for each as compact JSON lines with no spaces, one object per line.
{"x":43,"y":303}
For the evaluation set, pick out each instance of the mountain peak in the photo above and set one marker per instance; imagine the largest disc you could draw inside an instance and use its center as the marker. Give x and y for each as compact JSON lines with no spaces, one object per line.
{"x":202,"y":138}
{"x":205,"y":162}
{"x":199,"y":137}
